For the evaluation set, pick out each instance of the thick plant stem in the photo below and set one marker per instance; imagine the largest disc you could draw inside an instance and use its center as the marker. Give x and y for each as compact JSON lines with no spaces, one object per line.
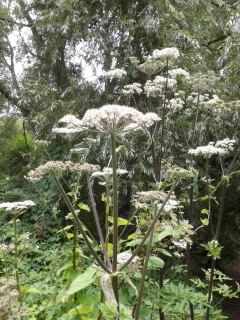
{"x":191,"y":310}
{"x":216,"y":237}
{"x":106,"y":221}
{"x":74,"y":249}
{"x":97,"y":221}
{"x":115,"y":215}
{"x":163,"y":128}
{"x":161,"y":313}
{"x":79,"y":224}
{"x":210,"y":287}
{"x":144,"y":271}
{"x":16,"y":258}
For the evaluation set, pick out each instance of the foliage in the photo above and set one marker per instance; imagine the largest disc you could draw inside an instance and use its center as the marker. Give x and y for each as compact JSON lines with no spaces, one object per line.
{"x":167,"y":193}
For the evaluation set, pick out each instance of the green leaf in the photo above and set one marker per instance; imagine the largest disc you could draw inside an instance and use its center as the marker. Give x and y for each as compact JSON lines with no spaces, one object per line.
{"x":83,"y":206}
{"x":205,"y":222}
{"x":121,"y":221}
{"x":82,"y":281}
{"x":155,"y":263}
{"x":163,"y":234}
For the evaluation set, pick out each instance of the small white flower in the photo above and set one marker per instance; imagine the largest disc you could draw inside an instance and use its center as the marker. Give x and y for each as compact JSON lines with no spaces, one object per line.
{"x":133,"y":88}
{"x":227,"y":144}
{"x":171,"y":204}
{"x":158,"y":86}
{"x":69,"y":125}
{"x":150,"y":118}
{"x":165,"y":82}
{"x":214,"y":101}
{"x":176,"y":104}
{"x":220,"y":148}
{"x":107,"y":172}
{"x":164,"y":54}
{"x":180,"y":244}
{"x":206,"y":151}
{"x":179,"y":72}
{"x":66,"y":131}
{"x":15,"y":206}
{"x":69,"y":119}
{"x":115,"y":74}
{"x":59,"y":167}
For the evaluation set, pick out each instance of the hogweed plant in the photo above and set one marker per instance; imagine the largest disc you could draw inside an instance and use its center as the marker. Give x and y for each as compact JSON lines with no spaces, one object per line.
{"x":219,"y":150}
{"x":16,"y":209}
{"x":114,"y":121}
{"x":162,"y":233}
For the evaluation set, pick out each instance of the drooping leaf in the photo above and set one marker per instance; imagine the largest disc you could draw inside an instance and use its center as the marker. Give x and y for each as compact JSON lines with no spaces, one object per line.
{"x":155,"y":263}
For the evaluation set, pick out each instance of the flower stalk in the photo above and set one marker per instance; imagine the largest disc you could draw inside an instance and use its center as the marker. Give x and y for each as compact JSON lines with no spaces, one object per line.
{"x":144,"y":272}
{"x":16,"y":257}
{"x":115,"y":215}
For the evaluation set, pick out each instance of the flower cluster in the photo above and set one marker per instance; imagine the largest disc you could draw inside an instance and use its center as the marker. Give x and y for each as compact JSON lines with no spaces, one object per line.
{"x":68,"y":125}
{"x":115,"y":74}
{"x":179,"y":72}
{"x":107,"y":172}
{"x":226,"y":144}
{"x":6,"y":248}
{"x":214,"y":101}
{"x":220,"y":148}
{"x":115,"y":117}
{"x":133,"y":88}
{"x":165,"y":54}
{"x":144,"y":198}
{"x":206,"y":151}
{"x":157,"y":87}
{"x":176,"y":104}
{"x":60,"y":167}
{"x":17,"y":206}
{"x":69,"y":119}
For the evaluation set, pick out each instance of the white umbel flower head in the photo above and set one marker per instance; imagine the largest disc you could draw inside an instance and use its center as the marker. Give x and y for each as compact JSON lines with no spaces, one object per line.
{"x":166,"y":54}
{"x":69,"y":125}
{"x":115,"y":74}
{"x":180,"y":244}
{"x":220,"y":148}
{"x":109,"y":118}
{"x":69,"y":120}
{"x":107,"y":172}
{"x":60,"y":167}
{"x":17,"y":206}
{"x":170,"y":83}
{"x":114,"y":117}
{"x":133,"y":88}
{"x":206,"y":151}
{"x":214,"y":101}
{"x":150,"y":119}
{"x":158,"y":86}
{"x":226,"y":144}
{"x":179,"y":72}
{"x":66,"y":131}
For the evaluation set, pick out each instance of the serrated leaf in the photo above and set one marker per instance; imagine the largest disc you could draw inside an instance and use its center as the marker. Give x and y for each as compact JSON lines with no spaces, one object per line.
{"x":82,"y":281}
